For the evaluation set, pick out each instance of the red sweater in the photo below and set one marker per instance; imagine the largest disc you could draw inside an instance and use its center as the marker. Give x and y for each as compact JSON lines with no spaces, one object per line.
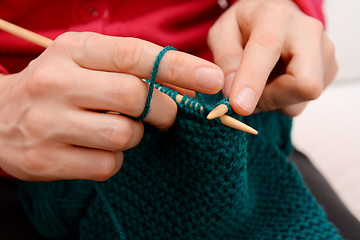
{"x":180,"y":23}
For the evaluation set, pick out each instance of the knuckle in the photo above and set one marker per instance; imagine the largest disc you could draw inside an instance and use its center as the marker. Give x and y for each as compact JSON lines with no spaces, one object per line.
{"x":335,"y":70}
{"x":126,"y":135}
{"x":67,"y":40}
{"x":332,"y":66}
{"x":127,"y":54}
{"x":294,"y":110}
{"x":228,"y":60}
{"x":119,"y":137}
{"x":105,"y":167}
{"x":44,"y":80}
{"x":294,"y":113}
{"x":291,"y":112}
{"x":74,"y":38}
{"x":311,"y":88}
{"x":34,"y":163}
{"x":269,"y":42}
{"x":278,"y":8}
{"x":32,"y":120}
{"x":330,"y":50}
{"x":40,"y":81}
{"x":132,"y":97}
{"x":315,"y":24}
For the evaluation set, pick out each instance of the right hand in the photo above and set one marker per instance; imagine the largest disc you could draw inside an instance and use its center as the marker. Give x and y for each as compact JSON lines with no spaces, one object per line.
{"x":49,"y":126}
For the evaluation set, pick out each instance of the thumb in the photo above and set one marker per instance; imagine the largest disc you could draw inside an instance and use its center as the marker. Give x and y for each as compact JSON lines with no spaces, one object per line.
{"x":225,"y":42}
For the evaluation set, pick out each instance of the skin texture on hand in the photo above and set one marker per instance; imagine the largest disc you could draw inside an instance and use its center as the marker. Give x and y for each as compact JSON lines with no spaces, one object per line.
{"x":274,"y":56}
{"x":52,"y":120}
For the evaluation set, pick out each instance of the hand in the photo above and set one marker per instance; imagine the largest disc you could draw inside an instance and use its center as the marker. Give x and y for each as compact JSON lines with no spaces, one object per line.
{"x":51,"y":120}
{"x":274,"y":56}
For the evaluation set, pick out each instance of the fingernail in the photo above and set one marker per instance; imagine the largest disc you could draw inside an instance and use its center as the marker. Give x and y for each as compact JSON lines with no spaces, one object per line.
{"x":246,"y":99}
{"x":228,"y":83}
{"x":209,"y":78}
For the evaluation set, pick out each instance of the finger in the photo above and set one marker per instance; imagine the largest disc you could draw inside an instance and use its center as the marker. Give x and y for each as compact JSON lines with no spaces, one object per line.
{"x":294,"y":110}
{"x":330,"y":70}
{"x":99,"y":130}
{"x":303,"y":80}
{"x":298,"y":86}
{"x":121,"y":93}
{"x":279,"y":93}
{"x":330,"y":65}
{"x":307,"y":67}
{"x":225,"y":42}
{"x":182,"y":91}
{"x":260,"y":55}
{"x":72,"y":162}
{"x":137,"y":57}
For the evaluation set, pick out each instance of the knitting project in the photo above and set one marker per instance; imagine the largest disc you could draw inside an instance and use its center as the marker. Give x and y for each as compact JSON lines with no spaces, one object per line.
{"x":199,"y":180}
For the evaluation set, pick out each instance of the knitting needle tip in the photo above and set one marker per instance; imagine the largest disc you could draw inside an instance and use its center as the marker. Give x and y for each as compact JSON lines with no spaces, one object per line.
{"x":220,"y":110}
{"x":233,"y":123}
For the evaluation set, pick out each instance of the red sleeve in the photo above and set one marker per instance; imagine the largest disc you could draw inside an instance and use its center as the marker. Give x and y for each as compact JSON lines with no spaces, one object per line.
{"x":312,"y":8}
{"x":3,"y":174}
{"x":3,"y":70}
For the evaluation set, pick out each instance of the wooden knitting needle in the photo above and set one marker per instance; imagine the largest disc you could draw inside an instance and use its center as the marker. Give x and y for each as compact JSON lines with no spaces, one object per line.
{"x":225,"y":119}
{"x":234,"y":123}
{"x":220,"y":110}
{"x":45,"y":42}
{"x":24,"y":34}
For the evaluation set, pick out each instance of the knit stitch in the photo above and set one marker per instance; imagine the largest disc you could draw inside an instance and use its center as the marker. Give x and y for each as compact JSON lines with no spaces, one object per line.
{"x":199,"y":180}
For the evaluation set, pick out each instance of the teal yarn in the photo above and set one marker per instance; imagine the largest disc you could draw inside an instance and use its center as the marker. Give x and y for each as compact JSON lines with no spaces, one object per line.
{"x":199,"y":180}
{"x":152,"y":82}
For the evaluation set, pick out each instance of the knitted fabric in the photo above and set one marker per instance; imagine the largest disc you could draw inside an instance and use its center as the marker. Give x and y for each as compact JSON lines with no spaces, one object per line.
{"x":199,"y":180}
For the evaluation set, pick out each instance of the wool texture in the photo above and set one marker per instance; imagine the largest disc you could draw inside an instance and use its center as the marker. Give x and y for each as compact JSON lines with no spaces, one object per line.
{"x":199,"y":180}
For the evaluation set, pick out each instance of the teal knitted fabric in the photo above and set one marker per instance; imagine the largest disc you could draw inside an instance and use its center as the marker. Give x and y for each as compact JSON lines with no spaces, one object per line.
{"x":199,"y":180}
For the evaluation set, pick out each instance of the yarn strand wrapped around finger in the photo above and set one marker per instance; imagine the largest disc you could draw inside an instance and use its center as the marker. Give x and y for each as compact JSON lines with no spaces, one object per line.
{"x":152,"y":82}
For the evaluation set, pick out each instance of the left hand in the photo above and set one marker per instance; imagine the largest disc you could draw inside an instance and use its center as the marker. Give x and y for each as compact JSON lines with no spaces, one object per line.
{"x":274,"y":56}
